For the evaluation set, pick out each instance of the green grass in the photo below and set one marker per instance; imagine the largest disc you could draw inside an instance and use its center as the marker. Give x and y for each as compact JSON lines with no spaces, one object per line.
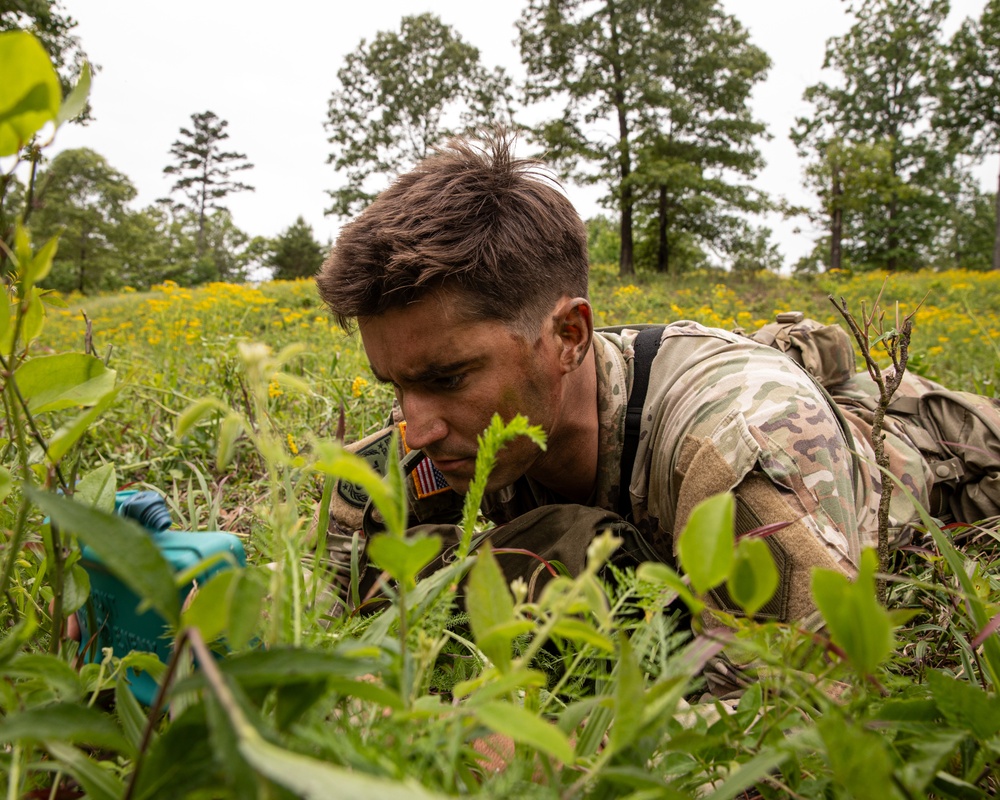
{"x":340,"y":704}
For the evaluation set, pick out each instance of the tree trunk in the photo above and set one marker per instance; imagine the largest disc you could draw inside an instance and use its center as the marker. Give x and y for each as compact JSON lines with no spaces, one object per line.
{"x":81,"y":269}
{"x":892,"y":240}
{"x":626,"y":263}
{"x":836,"y":220}
{"x":663,"y":252}
{"x":996,"y":230}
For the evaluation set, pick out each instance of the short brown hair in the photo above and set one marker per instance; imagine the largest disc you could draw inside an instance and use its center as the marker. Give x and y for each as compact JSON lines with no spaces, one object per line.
{"x":470,"y":218}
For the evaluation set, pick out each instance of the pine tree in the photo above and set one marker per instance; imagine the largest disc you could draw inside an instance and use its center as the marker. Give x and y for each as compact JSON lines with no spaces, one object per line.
{"x":205,"y":170}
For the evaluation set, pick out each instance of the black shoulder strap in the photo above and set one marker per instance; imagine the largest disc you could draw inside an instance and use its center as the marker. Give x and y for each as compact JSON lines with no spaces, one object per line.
{"x":647,"y":343}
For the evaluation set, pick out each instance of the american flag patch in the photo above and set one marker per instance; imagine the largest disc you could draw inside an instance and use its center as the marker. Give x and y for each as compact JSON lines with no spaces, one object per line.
{"x":426,"y":478}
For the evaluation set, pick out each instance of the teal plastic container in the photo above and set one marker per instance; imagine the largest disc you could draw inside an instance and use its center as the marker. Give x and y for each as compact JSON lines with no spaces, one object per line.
{"x":111,"y":610}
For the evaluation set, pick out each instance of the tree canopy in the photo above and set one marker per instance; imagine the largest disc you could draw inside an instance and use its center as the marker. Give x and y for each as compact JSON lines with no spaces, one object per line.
{"x":86,"y":198}
{"x":295,"y":253}
{"x":877,"y":171}
{"x":400,"y":95}
{"x":676,"y":78}
{"x":205,"y":171}
{"x":970,"y":96}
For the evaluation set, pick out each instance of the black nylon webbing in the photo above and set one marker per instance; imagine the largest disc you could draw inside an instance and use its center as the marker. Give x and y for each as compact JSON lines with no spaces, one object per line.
{"x":647,"y":343}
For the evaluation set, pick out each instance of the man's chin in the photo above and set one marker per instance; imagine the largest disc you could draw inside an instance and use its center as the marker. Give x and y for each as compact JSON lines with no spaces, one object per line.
{"x":461,"y":483}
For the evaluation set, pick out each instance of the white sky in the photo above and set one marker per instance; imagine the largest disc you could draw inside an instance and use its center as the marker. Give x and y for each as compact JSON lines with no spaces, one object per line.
{"x":269,"y":70}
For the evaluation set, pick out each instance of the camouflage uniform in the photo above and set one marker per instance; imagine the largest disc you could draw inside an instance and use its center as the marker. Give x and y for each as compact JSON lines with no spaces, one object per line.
{"x":722,"y":413}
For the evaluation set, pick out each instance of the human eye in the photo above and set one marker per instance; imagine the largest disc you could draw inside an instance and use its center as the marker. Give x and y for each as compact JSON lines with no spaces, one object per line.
{"x":450,"y":383}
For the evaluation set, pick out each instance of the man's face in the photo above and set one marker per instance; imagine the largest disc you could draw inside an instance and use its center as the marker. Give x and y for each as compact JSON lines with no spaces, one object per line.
{"x":452,"y":374}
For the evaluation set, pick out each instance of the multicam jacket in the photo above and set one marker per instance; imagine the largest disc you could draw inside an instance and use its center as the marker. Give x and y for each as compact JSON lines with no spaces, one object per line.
{"x":762,"y":413}
{"x":722,"y":412}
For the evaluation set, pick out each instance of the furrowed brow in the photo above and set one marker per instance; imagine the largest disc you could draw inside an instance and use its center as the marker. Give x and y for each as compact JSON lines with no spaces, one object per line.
{"x":434,"y":371}
{"x":431,"y":372}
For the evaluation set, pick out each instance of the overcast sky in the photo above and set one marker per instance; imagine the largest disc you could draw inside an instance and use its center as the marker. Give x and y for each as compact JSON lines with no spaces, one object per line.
{"x":269,"y":70}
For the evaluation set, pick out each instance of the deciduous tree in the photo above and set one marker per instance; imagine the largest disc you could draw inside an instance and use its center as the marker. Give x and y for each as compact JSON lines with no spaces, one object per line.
{"x":400,"y":95}
{"x":675,"y":77}
{"x":880,"y":105}
{"x":85,"y":197}
{"x":295,"y":253}
{"x":205,"y":171}
{"x":970,"y":96}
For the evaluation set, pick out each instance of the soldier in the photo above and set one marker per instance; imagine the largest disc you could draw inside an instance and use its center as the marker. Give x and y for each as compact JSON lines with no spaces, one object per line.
{"x":468,"y":278}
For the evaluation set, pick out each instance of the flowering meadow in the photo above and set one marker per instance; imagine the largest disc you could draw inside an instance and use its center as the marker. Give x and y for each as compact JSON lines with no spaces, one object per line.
{"x":225,"y":402}
{"x":174,"y":345}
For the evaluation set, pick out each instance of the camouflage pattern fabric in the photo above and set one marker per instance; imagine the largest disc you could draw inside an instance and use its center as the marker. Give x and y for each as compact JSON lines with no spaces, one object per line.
{"x":758,"y":411}
{"x":763,"y":414}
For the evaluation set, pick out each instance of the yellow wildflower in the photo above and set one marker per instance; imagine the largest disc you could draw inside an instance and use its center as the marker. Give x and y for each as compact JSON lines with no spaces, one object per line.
{"x":292,"y":446}
{"x":358,"y":386}
{"x":274,"y":389}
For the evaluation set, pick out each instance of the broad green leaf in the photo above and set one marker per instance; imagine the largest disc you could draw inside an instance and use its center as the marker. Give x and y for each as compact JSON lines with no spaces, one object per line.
{"x":965,"y":706}
{"x":123,"y":546}
{"x":705,"y":546}
{"x":490,"y":606}
{"x":64,"y":722}
{"x":403,"y":558}
{"x":583,"y":632}
{"x":860,"y":761}
{"x":209,"y":610}
{"x":6,"y":483}
{"x":753,"y":579}
{"x":68,"y":435}
{"x":857,"y":623}
{"x":6,"y":318}
{"x":22,"y":245}
{"x":41,"y":263}
{"x":285,"y":665}
{"x":195,"y":412}
{"x":310,"y":779}
{"x":366,"y":690}
{"x":628,"y":697}
{"x":525,"y":728}
{"x":53,"y":298}
{"x":743,"y":777}
{"x":47,"y":677}
{"x":14,"y":638}
{"x":657,"y":573}
{"x":130,"y":714}
{"x":489,"y":685}
{"x":237,"y":776}
{"x":596,"y":598}
{"x":76,"y":100}
{"x":34,"y":318}
{"x":336,"y":462}
{"x":97,"y":782}
{"x":395,"y":510}
{"x":97,"y":488}
{"x":49,"y":383}
{"x":76,"y":589}
{"x":499,"y":637}
{"x":246,"y":599}
{"x":30,"y":93}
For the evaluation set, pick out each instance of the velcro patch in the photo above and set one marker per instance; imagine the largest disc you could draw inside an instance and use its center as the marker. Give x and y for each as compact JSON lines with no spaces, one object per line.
{"x":376,"y":453}
{"x":427,"y":480}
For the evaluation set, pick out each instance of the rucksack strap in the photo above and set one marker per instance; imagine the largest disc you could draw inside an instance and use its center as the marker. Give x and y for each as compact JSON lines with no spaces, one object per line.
{"x":646,"y":345}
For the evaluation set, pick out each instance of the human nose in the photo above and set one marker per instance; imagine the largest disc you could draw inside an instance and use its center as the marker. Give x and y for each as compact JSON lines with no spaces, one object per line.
{"x":425,"y":423}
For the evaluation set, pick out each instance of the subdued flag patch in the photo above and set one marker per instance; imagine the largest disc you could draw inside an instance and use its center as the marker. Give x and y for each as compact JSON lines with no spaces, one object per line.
{"x":427,"y":479}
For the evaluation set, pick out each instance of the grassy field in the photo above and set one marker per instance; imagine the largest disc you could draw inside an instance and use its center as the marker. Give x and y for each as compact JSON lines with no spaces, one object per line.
{"x":174,"y":345}
{"x":590,"y":688}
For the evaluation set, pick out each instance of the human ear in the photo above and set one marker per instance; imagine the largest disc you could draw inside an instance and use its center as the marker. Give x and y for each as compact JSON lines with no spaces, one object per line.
{"x":574,"y":319}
